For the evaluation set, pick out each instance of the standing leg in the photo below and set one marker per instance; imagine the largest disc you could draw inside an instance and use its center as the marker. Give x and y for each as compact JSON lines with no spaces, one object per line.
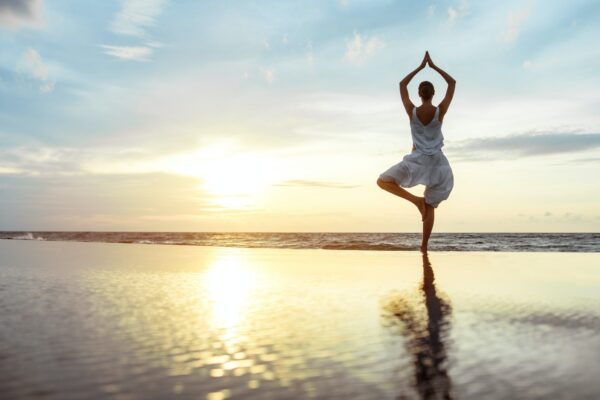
{"x":427,"y":227}
{"x":405,"y":194}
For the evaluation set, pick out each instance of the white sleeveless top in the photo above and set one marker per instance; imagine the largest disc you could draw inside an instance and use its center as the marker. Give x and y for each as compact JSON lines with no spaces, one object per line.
{"x":428,"y":139}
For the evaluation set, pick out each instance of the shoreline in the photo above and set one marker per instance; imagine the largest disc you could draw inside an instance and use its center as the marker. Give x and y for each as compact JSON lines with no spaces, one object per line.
{"x":431,"y":251}
{"x":397,"y":242}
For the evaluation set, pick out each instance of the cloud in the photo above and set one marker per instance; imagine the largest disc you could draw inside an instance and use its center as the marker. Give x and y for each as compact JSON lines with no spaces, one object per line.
{"x":452,"y":14}
{"x":515,"y":20}
{"x":523,"y":145}
{"x":527,"y":64}
{"x":309,"y":183}
{"x":591,"y":160}
{"x":455,"y":13}
{"x":359,"y":48}
{"x":348,"y":104}
{"x":8,"y":170}
{"x":31,"y":65}
{"x":134,"y":19}
{"x":310,"y":55}
{"x":431,"y":10}
{"x":136,"y":16}
{"x":268,"y":74}
{"x":136,"y":53}
{"x":44,"y":160}
{"x":111,"y":201}
{"x":35,"y":161}
{"x":566,"y":217}
{"x":19,"y":12}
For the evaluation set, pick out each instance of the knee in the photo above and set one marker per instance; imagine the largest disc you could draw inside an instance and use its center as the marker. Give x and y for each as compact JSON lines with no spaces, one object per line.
{"x":380,"y":182}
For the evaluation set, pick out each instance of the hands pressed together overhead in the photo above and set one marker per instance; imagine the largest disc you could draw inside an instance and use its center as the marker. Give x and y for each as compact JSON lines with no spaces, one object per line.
{"x":427,"y":60}
{"x":406,"y":80}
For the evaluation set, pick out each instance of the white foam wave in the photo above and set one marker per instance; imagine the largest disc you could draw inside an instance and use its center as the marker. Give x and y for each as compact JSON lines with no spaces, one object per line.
{"x":27,"y":236}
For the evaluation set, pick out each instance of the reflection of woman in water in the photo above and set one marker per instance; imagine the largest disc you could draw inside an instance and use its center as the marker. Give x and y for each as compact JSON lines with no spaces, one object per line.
{"x":426,"y":331}
{"x":426,"y":165}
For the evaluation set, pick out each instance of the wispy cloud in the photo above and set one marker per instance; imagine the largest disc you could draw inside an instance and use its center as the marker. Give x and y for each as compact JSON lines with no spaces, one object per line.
{"x":514,"y":21}
{"x":359,"y":48}
{"x":14,"y":13}
{"x":528,"y":64}
{"x":349,"y":104}
{"x":310,"y":55}
{"x":548,"y":216}
{"x":126,"y":200}
{"x":8,"y":170}
{"x":309,"y":183}
{"x":134,"y":19}
{"x":523,"y":145}
{"x":136,"y":16}
{"x":34,"y":161}
{"x":457,"y":12}
{"x":47,"y":160}
{"x":136,"y":53}
{"x":268,"y":74}
{"x":31,"y":65}
{"x":431,"y":10}
{"x":594,"y":160}
{"x":452,"y":14}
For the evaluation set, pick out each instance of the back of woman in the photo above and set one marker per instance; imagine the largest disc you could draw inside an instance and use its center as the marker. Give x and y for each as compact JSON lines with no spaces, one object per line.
{"x":426,"y":164}
{"x":428,"y":139}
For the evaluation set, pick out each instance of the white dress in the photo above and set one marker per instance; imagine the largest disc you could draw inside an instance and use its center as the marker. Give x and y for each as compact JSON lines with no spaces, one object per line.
{"x":426,"y":165}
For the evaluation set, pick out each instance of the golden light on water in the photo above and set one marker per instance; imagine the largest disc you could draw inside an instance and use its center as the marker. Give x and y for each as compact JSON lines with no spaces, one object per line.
{"x":229,"y":282}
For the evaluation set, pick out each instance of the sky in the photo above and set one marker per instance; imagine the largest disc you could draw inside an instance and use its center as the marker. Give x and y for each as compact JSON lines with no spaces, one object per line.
{"x":157,"y":115}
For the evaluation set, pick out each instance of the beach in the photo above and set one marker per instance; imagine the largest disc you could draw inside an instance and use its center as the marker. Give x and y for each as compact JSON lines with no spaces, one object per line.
{"x":140,"y":321}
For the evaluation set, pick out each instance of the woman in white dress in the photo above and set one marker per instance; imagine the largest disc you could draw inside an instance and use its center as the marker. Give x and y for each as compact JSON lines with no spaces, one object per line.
{"x":426,"y":165}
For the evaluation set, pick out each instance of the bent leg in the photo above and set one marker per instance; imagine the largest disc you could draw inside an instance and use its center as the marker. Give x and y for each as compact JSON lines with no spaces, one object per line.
{"x":405,"y":194}
{"x":398,"y":191}
{"x":427,"y":228}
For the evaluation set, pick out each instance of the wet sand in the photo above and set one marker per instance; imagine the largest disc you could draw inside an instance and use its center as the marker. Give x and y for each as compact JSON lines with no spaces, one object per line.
{"x":124,"y":321}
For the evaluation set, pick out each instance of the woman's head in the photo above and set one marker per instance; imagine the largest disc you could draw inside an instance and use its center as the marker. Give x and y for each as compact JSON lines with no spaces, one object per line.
{"x":426,"y":90}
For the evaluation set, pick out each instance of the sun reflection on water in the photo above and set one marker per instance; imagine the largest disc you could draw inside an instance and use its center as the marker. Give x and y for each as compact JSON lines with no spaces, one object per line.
{"x":229,"y":283}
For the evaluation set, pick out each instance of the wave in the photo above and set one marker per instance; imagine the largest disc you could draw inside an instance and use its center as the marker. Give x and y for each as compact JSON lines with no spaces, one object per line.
{"x":26,"y":236}
{"x":376,"y":241}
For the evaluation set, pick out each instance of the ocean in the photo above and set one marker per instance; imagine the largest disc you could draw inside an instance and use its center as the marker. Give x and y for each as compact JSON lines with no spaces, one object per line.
{"x":530,"y":242}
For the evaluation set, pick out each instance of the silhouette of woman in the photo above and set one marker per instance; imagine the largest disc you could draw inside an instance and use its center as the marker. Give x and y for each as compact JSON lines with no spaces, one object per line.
{"x":426,"y":332}
{"x":426,"y":164}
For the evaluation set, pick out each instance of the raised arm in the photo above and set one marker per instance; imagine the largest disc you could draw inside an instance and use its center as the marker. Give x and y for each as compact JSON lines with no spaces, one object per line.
{"x":408,"y":105}
{"x":445,"y":104}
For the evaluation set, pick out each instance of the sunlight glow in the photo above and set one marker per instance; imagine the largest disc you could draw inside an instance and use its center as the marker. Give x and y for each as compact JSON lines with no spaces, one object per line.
{"x":234,"y":177}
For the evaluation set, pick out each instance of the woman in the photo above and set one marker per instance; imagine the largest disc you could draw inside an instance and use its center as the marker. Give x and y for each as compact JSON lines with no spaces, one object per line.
{"x":426,"y":165}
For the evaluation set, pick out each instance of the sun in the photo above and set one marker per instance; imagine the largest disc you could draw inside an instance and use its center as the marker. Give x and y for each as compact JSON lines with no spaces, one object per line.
{"x":233,"y":178}
{"x":237,"y":180}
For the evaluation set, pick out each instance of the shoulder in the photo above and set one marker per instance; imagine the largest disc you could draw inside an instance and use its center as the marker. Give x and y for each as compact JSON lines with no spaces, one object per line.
{"x":410,"y":109}
{"x":441,"y":110}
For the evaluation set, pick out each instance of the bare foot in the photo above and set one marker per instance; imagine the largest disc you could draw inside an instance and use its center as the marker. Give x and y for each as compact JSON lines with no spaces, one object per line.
{"x":422,"y":208}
